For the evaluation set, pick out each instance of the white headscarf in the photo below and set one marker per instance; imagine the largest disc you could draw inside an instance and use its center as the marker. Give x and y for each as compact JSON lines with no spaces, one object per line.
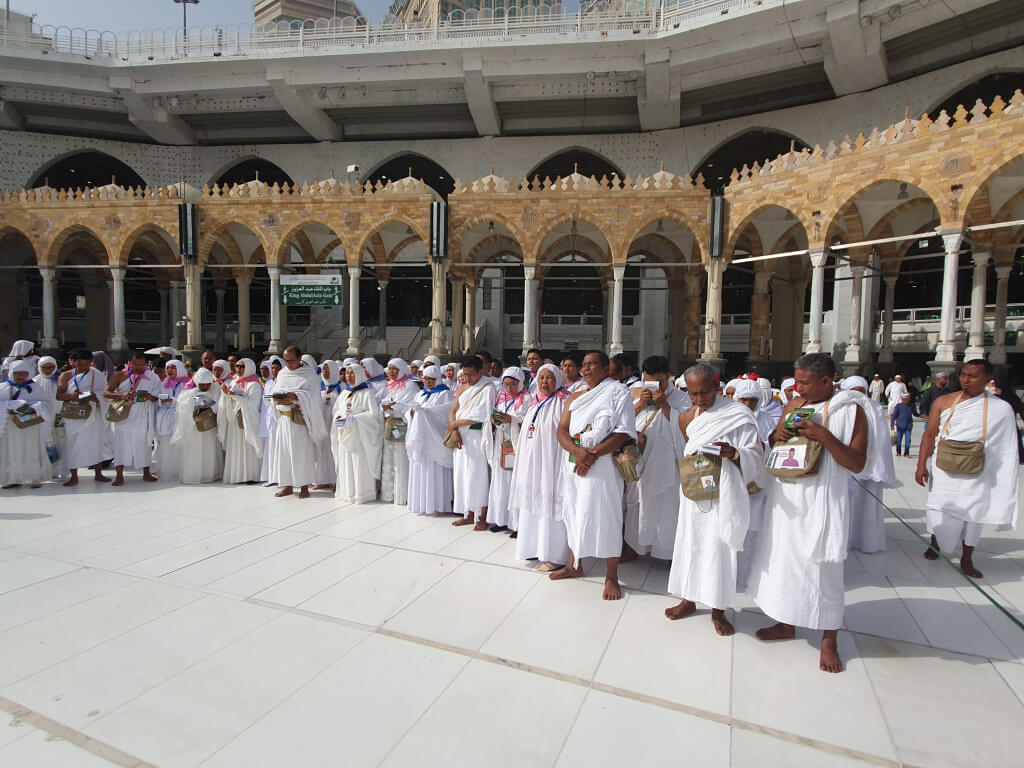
{"x":745,"y":388}
{"x":360,"y":374}
{"x":559,"y":376}
{"x":417,"y":363}
{"x":309,"y":361}
{"x":432,"y":360}
{"x":21,"y":366}
{"x":333,"y":370}
{"x":853,"y":381}
{"x":432,"y":372}
{"x":202,"y":376}
{"x":401,"y":365}
{"x":513,"y":373}
{"x":372,"y":367}
{"x":43,"y":361}
{"x":786,"y":384}
{"x":224,"y":365}
{"x":735,"y":384}
{"x":21,"y":348}
{"x":250,"y":369}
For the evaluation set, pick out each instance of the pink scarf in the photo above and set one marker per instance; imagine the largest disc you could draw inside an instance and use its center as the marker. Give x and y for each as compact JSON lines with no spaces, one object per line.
{"x":397,"y":383}
{"x":247,"y":380}
{"x":516,"y":401}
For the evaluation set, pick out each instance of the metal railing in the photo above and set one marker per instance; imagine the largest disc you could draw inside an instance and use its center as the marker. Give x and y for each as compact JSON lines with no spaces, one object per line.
{"x":316,"y":35}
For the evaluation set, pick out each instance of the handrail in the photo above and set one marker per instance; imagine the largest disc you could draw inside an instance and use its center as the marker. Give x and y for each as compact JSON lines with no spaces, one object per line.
{"x":408,"y":349}
{"x":315,"y":35}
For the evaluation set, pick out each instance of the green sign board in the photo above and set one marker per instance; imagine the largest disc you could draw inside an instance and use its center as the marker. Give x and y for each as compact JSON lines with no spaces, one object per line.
{"x":311,"y":290}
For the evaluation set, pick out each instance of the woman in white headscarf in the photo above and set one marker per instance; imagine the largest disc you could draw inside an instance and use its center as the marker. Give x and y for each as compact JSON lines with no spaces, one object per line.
{"x":535,"y":494}
{"x":787,"y":390}
{"x":195,"y":440}
{"x":238,"y":424}
{"x":431,"y":491}
{"x":268,"y":421}
{"x":357,"y":437}
{"x":48,"y":380}
{"x":501,"y":434}
{"x":23,"y":458}
{"x":376,"y":377}
{"x":401,"y":389}
{"x":331,"y":387}
{"x":451,"y":376}
{"x":20,"y":350}
{"x":168,"y":457}
{"x":750,"y":394}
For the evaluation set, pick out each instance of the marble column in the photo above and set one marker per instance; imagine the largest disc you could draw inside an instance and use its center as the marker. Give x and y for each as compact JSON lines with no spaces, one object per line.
{"x":998,"y":354}
{"x":976,"y":345}
{"x":165,"y":331}
{"x":48,"y":274}
{"x":713,"y":312}
{"x":760,"y":317}
{"x":945,"y":350}
{"x":818,"y":258}
{"x":691,"y":347}
{"x":458,"y":305}
{"x":885,"y":353}
{"x":353,"y":310}
{"x":118,"y":341}
{"x":438,"y":309}
{"x":615,"y":344}
{"x":677,"y":322}
{"x":382,"y":309}
{"x":193,"y":307}
{"x":176,"y":315}
{"x":529,"y":308}
{"x":274,"y":347}
{"x":470,"y":316}
{"x":851,"y":359}
{"x":221,"y":349}
{"x":243,"y":281}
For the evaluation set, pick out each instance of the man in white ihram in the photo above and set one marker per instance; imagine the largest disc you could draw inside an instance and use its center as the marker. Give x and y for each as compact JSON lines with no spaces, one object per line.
{"x":894,"y":393}
{"x":472,"y":407}
{"x":300,"y":425}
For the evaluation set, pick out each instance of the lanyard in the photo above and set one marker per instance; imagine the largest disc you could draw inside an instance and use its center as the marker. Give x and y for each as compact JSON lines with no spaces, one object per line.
{"x":78,"y":383}
{"x":542,"y":404}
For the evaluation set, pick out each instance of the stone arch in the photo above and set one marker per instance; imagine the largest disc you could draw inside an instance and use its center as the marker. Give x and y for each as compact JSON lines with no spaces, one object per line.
{"x":295,"y":235}
{"x":11,"y":231}
{"x":979,"y":185}
{"x":393,"y":255}
{"x":159,"y":237}
{"x":552,"y":224}
{"x":594,"y":164}
{"x":237,"y":170}
{"x":731,"y":153}
{"x":747,"y":222}
{"x":356,"y":257}
{"x":396,"y":167}
{"x":219,"y":228}
{"x":53,"y":251}
{"x":464,"y":228}
{"x":59,"y":177}
{"x":548,"y":259}
{"x":679,"y":218}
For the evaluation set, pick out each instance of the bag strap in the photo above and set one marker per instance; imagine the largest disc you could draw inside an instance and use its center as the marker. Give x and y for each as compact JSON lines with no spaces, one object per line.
{"x":984,"y":417}
{"x":474,"y":397}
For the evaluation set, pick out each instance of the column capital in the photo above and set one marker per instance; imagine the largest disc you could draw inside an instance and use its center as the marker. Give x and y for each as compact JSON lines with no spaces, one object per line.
{"x":762,"y":281}
{"x":354,"y":272}
{"x":244,"y":278}
{"x":952,"y":240}
{"x":219,"y":292}
{"x":457,"y":279}
{"x":274,"y":272}
{"x":890,"y":280}
{"x":48,"y":273}
{"x":117,"y":273}
{"x":1003,"y":271}
{"x":619,"y":272}
{"x":382,"y":283}
{"x":981,"y":256}
{"x":818,"y":257}
{"x":530,"y":271}
{"x":858,"y":270}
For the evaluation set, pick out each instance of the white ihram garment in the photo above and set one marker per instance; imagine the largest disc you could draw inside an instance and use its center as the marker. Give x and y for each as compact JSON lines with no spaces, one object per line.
{"x":326,"y":469}
{"x":711,"y":532}
{"x":202,"y":458}
{"x":243,"y":446}
{"x":592,"y":504}
{"x":133,"y":437}
{"x":23,"y":459}
{"x":268,"y":431}
{"x":394,"y":477}
{"x":297,"y":446}
{"x":430,"y":463}
{"x":167,"y":458}
{"x":797,"y":574}
{"x":469,"y":464}
{"x":959,"y":505}
{"x":535,"y":492}
{"x":498,"y":509}
{"x":357,"y":437}
{"x":867,"y":514}
{"x":58,"y":436}
{"x":88,"y":439}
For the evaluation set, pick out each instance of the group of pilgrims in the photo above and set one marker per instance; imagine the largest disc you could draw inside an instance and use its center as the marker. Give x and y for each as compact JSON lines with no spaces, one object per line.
{"x":742,"y":485}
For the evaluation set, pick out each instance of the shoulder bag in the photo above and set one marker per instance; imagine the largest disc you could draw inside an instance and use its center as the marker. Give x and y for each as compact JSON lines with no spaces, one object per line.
{"x":205,"y":419}
{"x":806,"y":457}
{"x":25,"y":417}
{"x":962,"y":457}
{"x":395,"y":429}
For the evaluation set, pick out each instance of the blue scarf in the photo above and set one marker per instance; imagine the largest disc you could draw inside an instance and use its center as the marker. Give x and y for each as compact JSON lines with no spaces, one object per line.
{"x":336,"y":387}
{"x":27,"y":386}
{"x":429,"y":392}
{"x":356,"y":388}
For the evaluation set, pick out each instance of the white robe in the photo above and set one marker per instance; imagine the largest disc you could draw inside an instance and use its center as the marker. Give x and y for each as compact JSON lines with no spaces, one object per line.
{"x":958,"y":505}
{"x":875,"y":389}
{"x":535,"y":492}
{"x":89,"y":440}
{"x":167,"y":459}
{"x":297,"y":446}
{"x":268,"y":429}
{"x":23,"y":459}
{"x":470,"y":476}
{"x":651,"y":519}
{"x":243,"y":447}
{"x":58,"y":435}
{"x":200,"y":453}
{"x":592,"y":505}
{"x":357,"y":437}
{"x":711,"y":532}
{"x":867,"y":513}
{"x":498,"y":510}
{"x":133,"y":437}
{"x":394,"y":477}
{"x":326,"y":470}
{"x":797,"y":574}
{"x":430,"y":464}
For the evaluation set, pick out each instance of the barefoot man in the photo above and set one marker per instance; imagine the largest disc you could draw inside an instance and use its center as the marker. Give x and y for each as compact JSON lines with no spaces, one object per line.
{"x":960,"y":504}
{"x":133,"y":437}
{"x":796,"y":577}
{"x":300,"y":430}
{"x":87,"y":429}
{"x":711,"y":530}
{"x":594,"y":425}
{"x":472,"y":407}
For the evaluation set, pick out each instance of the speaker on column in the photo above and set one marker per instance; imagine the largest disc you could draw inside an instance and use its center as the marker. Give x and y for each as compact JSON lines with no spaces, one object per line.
{"x":188,"y":231}
{"x":717,"y":218}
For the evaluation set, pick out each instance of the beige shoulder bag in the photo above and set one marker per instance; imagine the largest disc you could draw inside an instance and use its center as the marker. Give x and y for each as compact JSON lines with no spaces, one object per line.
{"x":962,"y":457}
{"x":797,"y":457}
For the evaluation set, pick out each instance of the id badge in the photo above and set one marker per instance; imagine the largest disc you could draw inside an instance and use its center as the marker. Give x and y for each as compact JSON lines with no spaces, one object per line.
{"x":530,"y":431}
{"x":575,"y":441}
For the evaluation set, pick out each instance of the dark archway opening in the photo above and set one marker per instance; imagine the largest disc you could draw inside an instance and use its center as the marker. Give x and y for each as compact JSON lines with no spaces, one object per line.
{"x":252,"y":169}
{"x":571,"y":161}
{"x":417,"y":166}
{"x":987,"y":88}
{"x":754,"y":146}
{"x":87,"y":169}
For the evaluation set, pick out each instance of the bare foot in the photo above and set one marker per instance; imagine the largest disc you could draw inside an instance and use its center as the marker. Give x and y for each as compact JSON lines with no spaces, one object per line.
{"x":149,"y":477}
{"x":777,"y":632}
{"x":70,"y":483}
{"x":101,"y":478}
{"x":304,"y":492}
{"x":36,"y":485}
{"x":548,"y":567}
{"x":321,"y":487}
{"x":968,"y":568}
{"x":612,"y":590}
{"x":681,"y":611}
{"x":118,"y":481}
{"x":286,"y":491}
{"x":628,"y":554}
{"x":11,"y":485}
{"x":722,"y":625}
{"x":566,"y":572}
{"x":830,"y":661}
{"x":481,"y":526}
{"x":932,"y":553}
{"x":468,"y":520}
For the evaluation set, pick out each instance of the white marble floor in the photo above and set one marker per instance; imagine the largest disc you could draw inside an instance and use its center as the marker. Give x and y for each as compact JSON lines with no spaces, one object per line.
{"x":219,"y":626}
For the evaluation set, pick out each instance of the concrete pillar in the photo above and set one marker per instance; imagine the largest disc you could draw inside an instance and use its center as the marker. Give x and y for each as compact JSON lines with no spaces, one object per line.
{"x":885,"y":353}
{"x":998,"y":354}
{"x":221,"y":348}
{"x":438,"y":308}
{"x":353,"y":309}
{"x":691,"y":347}
{"x":244,"y":281}
{"x":382,"y":309}
{"x":176,"y":329}
{"x":283,"y":326}
{"x":852,"y":357}
{"x":615,"y":343}
{"x":193,"y":307}
{"x":976,"y":347}
{"x":274,"y":347}
{"x":818,"y":258}
{"x":458,"y":305}
{"x":529,"y":308}
{"x":945,"y":350}
{"x":165,"y":331}
{"x":760,"y":317}
{"x":713,"y":311}
{"x":118,"y":341}
{"x":48,"y":274}
{"x":470,"y":316}
{"x":677,"y":320}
